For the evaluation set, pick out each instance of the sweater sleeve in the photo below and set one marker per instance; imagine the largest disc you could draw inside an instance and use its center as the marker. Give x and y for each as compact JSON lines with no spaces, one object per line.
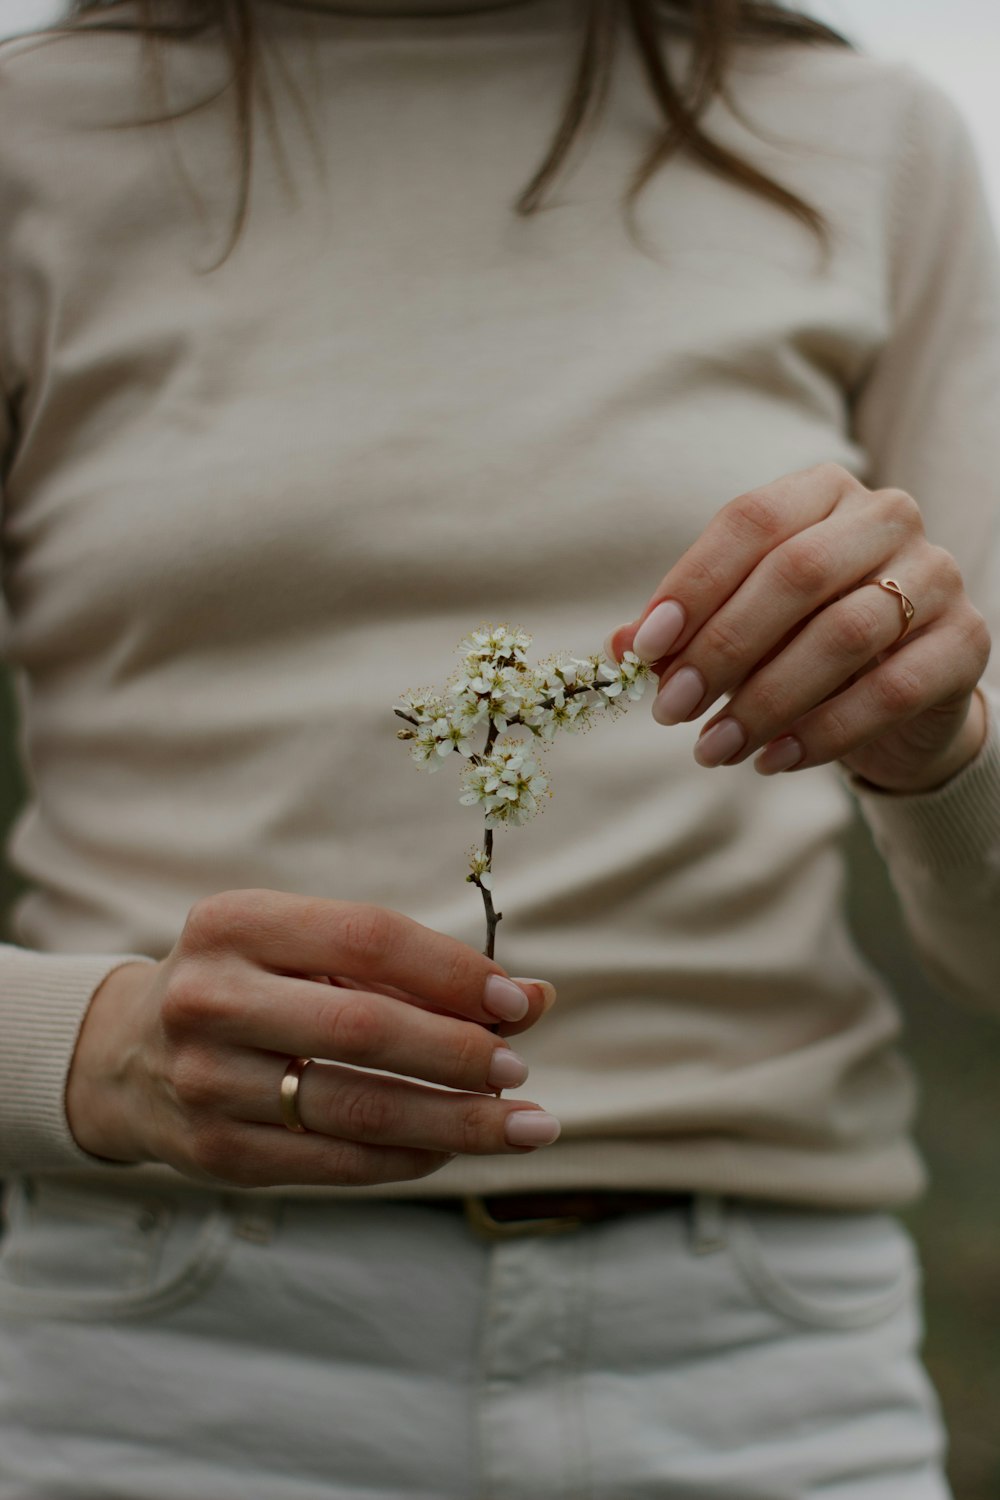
{"x":927,"y":416}
{"x":43,"y":1001}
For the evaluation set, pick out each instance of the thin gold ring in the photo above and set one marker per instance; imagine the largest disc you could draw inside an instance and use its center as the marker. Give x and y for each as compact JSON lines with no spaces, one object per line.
{"x":905,"y":604}
{"x":290,"y":1094}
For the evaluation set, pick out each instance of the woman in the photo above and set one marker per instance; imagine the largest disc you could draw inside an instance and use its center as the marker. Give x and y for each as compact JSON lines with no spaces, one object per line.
{"x":257,"y":485}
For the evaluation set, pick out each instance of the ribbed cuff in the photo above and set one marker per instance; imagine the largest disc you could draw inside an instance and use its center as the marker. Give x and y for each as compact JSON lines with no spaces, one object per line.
{"x":43,"y":1000}
{"x":956,"y":827}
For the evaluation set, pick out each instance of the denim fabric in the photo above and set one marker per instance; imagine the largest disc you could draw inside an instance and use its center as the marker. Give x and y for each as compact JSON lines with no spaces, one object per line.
{"x":230,"y":1347}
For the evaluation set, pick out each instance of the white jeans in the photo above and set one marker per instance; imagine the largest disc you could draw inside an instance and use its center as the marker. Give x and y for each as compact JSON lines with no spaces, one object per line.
{"x":218,"y":1348}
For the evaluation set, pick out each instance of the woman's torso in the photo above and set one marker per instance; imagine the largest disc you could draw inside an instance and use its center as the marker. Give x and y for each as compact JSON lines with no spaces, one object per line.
{"x":249,"y":507}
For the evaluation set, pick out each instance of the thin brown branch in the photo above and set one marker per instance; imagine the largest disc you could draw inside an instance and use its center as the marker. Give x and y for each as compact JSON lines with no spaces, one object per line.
{"x":492,"y":915}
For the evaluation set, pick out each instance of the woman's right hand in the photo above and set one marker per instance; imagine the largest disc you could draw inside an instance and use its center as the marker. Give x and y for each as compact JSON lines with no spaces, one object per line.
{"x":181,"y":1061}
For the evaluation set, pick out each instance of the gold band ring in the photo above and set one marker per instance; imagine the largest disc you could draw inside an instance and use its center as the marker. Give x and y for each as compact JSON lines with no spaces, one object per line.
{"x":905,"y":604}
{"x":290,"y":1094}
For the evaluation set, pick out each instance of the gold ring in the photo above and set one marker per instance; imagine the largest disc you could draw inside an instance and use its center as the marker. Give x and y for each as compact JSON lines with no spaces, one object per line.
{"x":905,"y":604}
{"x":290,"y":1094}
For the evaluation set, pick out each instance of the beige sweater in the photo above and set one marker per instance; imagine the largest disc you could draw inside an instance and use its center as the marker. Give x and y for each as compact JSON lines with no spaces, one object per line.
{"x":243,"y":510}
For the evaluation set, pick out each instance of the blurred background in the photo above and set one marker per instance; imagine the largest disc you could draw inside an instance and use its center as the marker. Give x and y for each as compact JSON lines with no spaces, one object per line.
{"x":957,"y":1054}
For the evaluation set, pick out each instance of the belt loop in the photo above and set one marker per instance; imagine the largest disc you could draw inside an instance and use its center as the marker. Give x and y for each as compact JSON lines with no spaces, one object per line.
{"x":708,"y":1223}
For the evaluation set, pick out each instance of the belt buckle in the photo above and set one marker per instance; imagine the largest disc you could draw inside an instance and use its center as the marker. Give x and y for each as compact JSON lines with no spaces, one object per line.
{"x":483,"y":1224}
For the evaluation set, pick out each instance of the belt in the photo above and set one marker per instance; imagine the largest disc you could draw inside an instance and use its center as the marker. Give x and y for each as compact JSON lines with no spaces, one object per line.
{"x":502,"y":1216}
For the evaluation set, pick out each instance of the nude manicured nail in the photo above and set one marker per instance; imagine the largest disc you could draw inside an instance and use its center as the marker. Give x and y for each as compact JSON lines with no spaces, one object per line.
{"x":503,"y":999}
{"x":680,"y":697}
{"x":531,"y":1127}
{"x":507,"y":1070}
{"x":720,"y":742}
{"x":659,"y":630}
{"x":779,"y":755}
{"x":548,"y":991}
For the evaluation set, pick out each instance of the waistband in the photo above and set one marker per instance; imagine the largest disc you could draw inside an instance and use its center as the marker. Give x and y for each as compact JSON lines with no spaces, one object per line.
{"x":505,"y":1215}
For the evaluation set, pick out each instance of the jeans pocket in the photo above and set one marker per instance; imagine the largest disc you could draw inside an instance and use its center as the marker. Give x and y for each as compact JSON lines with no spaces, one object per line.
{"x":834,"y":1270}
{"x":76,"y":1251}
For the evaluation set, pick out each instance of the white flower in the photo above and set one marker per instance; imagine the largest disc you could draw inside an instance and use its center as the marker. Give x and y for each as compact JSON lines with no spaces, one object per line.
{"x":479,"y":865}
{"x":571,"y":713}
{"x":586,"y":670}
{"x":636,"y":674}
{"x":450,"y":733}
{"x":468,"y":710}
{"x":435,"y":740}
{"x":423,"y":705}
{"x":630,"y":676}
{"x":495,"y":643}
{"x":503,"y":689}
{"x":474,"y":779}
{"x":539,"y":720}
{"x":507,"y":782}
{"x":424,"y":750}
{"x":552,"y":691}
{"x":574,"y":715}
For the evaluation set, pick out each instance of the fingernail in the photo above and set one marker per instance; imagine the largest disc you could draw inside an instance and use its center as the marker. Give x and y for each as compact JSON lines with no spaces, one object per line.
{"x":531,"y":1127}
{"x":779,"y":755}
{"x":503,"y":999}
{"x":659,"y":630}
{"x":720,"y":742}
{"x":607,"y":647}
{"x":680,"y":697}
{"x":507,"y":1070}
{"x":548,"y":991}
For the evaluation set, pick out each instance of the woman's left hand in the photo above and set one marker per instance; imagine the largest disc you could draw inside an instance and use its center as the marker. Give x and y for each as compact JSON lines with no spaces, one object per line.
{"x":774,"y":606}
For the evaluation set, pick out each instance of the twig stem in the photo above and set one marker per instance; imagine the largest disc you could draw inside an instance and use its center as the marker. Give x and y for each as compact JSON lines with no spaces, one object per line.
{"x":492,"y":916}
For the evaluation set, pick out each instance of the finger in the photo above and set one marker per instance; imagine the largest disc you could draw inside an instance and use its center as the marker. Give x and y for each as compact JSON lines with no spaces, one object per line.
{"x":919,"y":676}
{"x":307,"y":935}
{"x":263,"y":1156}
{"x":730,"y":547}
{"x":300,"y":1019}
{"x":788,"y":587}
{"x":541,"y":997}
{"x":839,"y":642}
{"x":336,"y":1101}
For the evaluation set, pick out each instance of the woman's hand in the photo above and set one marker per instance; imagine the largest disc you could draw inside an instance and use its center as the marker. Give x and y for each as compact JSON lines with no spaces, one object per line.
{"x":773,"y":606}
{"x":182,"y":1061}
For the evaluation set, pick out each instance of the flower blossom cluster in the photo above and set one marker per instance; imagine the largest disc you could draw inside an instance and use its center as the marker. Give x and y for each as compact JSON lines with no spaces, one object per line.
{"x":507,"y":782}
{"x":496,"y":686}
{"x":495,"y":690}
